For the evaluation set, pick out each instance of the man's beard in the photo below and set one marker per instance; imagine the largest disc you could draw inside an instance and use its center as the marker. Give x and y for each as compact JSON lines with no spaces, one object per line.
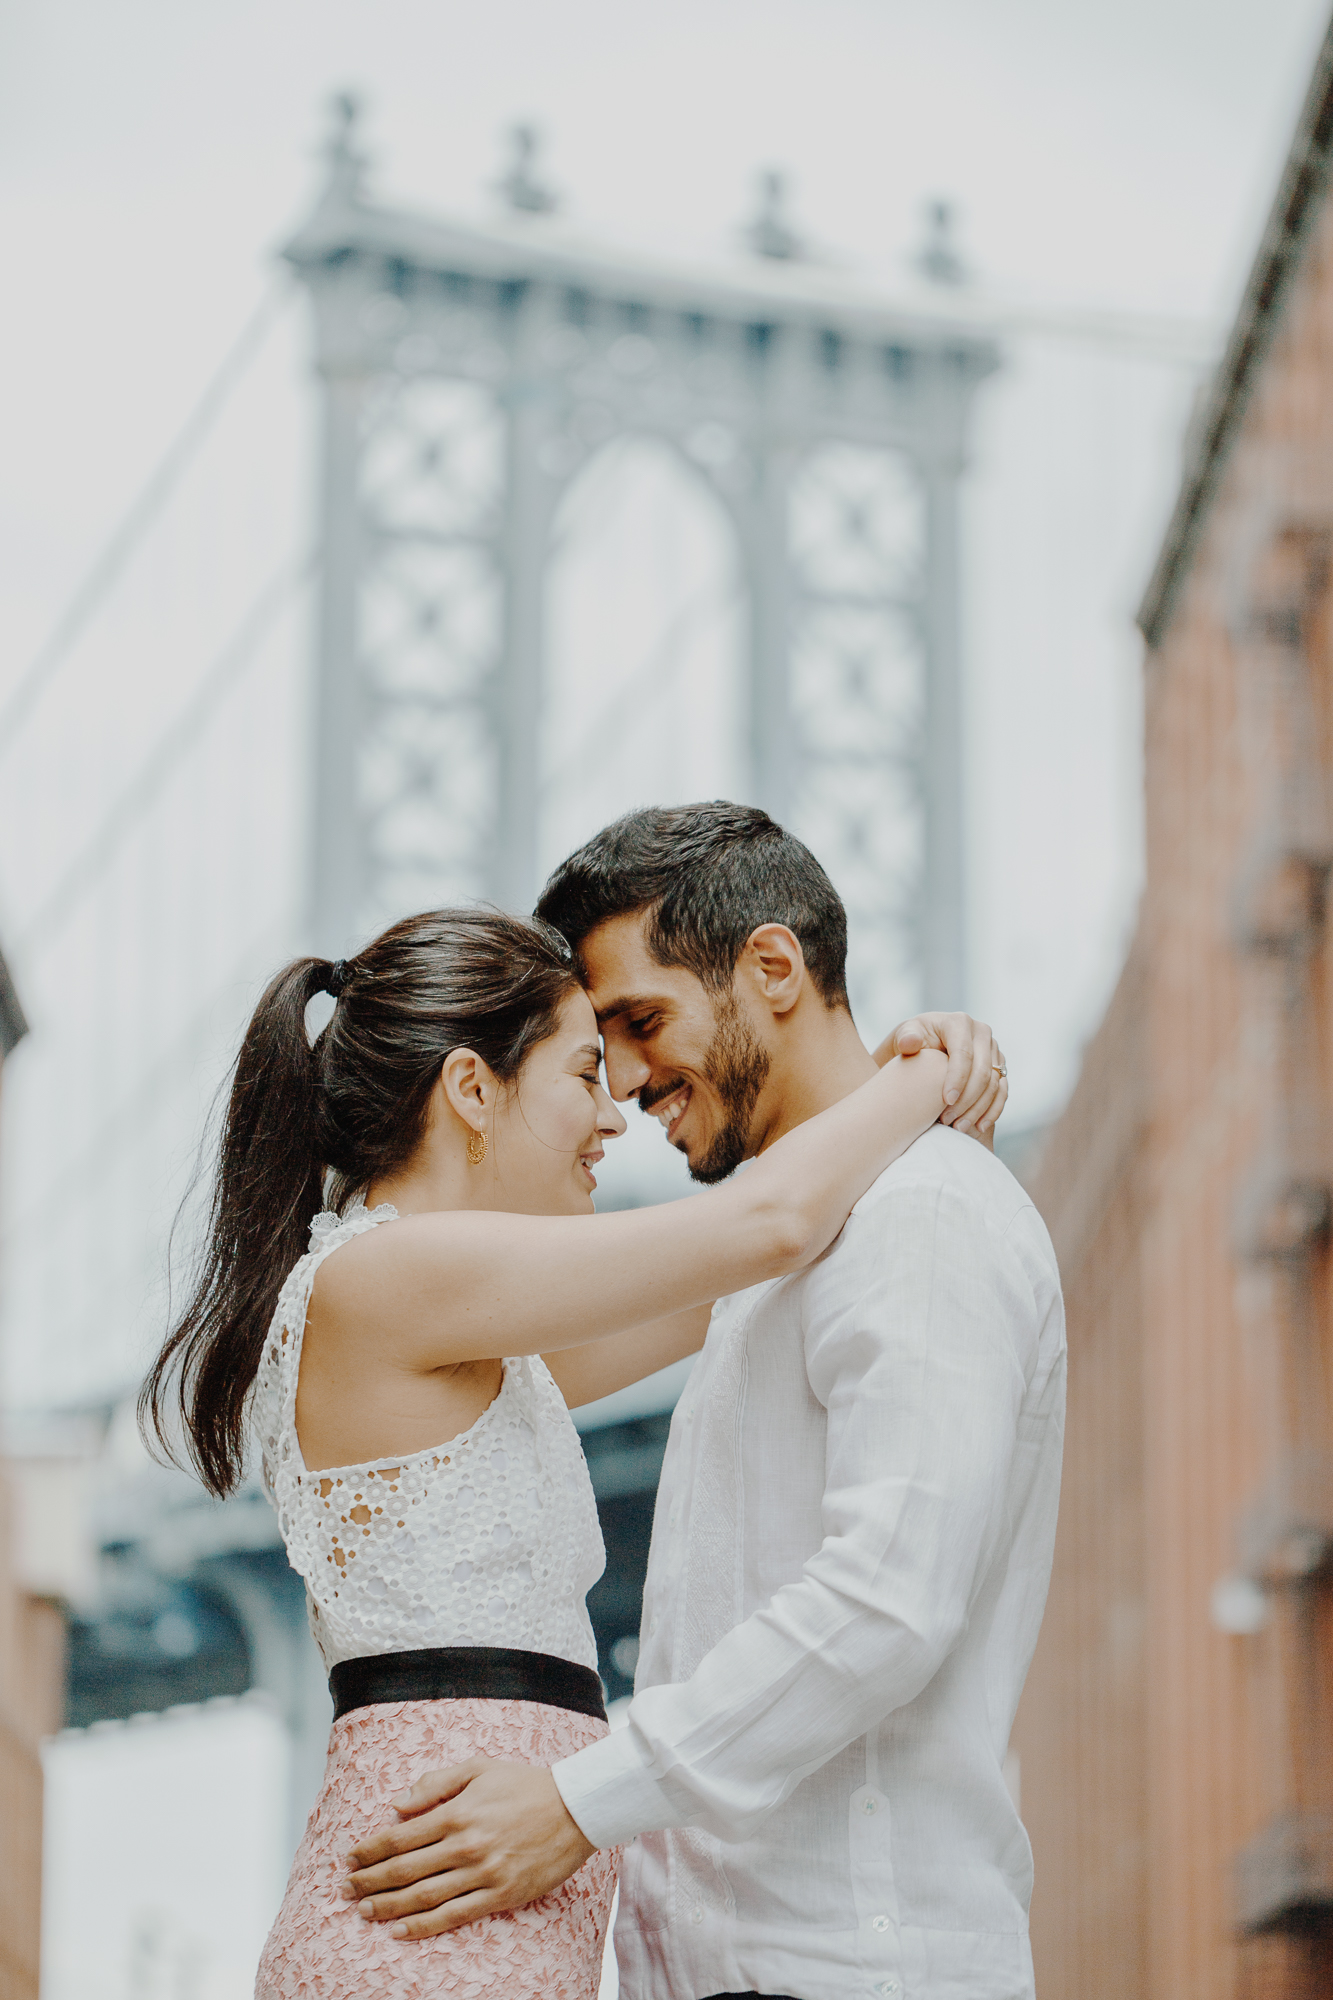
{"x":737,"y":1066}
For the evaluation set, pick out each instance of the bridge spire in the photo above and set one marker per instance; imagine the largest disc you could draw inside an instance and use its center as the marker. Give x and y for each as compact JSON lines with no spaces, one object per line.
{"x":347,"y":161}
{"x":770,"y":234}
{"x":521,"y":185}
{"x":938,"y":258}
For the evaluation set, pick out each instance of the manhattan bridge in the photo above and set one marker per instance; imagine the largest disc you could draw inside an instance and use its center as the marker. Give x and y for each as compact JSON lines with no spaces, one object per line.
{"x":389,"y":644}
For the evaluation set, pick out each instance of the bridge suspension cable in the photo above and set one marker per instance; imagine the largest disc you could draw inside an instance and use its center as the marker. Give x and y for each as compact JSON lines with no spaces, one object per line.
{"x":152,"y":775}
{"x":152,"y":499}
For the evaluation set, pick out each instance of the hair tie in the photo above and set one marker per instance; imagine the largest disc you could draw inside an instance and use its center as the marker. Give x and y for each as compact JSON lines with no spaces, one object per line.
{"x":338,"y":977}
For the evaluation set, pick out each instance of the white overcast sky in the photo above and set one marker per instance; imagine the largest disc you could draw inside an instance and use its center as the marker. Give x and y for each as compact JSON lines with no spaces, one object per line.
{"x":1111,"y":151}
{"x":1115,"y":154}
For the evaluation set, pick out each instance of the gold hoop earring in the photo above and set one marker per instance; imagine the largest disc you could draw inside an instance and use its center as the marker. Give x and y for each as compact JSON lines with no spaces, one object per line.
{"x":476,"y":1148}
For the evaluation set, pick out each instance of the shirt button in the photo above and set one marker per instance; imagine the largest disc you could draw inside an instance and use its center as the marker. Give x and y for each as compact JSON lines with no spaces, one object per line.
{"x":887,"y":1987}
{"x":653,"y":1622}
{"x":869,"y":1805}
{"x":881,"y":1923}
{"x":696,"y":1915}
{"x":675,"y":1515}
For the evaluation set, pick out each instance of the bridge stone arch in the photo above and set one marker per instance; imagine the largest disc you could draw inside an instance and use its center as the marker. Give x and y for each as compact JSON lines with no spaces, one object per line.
{"x":469,"y":373}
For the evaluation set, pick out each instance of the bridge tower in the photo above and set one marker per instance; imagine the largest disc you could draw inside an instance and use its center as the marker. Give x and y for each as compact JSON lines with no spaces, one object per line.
{"x":469,"y":372}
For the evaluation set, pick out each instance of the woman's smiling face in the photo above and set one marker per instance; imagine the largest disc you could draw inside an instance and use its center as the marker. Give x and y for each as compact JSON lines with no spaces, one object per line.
{"x":551,"y":1125}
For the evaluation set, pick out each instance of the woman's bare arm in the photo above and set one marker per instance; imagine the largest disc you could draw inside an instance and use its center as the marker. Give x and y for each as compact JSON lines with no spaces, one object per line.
{"x":471,"y":1285}
{"x":585,"y":1374}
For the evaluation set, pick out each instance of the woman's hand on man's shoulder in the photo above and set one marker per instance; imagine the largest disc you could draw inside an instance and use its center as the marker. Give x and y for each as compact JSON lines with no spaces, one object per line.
{"x":976,"y":1084}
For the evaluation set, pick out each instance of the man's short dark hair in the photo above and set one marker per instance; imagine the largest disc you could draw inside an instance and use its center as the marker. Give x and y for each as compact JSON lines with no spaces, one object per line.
{"x":707,"y":875}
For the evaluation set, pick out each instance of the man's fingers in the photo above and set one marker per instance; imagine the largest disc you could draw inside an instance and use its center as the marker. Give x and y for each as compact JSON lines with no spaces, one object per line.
{"x":428,"y":1796}
{"x":473,"y":1869}
{"x":455,"y":1850}
{"x":403,"y":1870}
{"x":432,"y":1788}
{"x":423,"y":1831}
{"x":418,"y":1897}
{"x":380,"y":1847}
{"x":466,"y":1910}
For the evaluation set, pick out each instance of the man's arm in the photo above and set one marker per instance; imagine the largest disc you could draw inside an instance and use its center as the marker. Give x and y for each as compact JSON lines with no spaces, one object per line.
{"x":920,"y":1354}
{"x":584,"y":1374}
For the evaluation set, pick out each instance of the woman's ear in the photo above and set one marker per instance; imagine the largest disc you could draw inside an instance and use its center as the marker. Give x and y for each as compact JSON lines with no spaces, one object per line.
{"x":467,"y":1085}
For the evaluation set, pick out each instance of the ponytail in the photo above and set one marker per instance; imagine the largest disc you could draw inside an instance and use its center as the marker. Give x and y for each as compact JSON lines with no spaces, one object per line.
{"x":354,"y":1104}
{"x":267,"y":1187}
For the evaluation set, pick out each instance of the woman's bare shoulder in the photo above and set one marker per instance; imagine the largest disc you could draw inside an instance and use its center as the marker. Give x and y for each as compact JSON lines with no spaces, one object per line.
{"x":432,"y":1256}
{"x":407,"y":1250}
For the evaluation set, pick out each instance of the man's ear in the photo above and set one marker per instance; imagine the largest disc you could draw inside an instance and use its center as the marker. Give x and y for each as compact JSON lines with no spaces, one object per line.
{"x":773,"y":964}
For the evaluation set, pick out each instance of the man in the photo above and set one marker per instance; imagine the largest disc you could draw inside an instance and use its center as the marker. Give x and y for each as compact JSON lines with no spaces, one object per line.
{"x":854,"y":1524}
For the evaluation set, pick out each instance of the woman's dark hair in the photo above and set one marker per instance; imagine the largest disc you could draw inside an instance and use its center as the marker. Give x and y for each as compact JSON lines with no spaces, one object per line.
{"x":352,"y":1106}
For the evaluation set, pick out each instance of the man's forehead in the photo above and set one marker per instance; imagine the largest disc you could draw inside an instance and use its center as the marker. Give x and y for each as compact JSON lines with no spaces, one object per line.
{"x":619,"y":988}
{"x":616,"y":954}
{"x":621,"y":976}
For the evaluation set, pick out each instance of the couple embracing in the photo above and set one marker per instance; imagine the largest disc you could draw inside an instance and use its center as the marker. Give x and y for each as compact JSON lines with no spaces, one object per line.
{"x":405,"y":1291}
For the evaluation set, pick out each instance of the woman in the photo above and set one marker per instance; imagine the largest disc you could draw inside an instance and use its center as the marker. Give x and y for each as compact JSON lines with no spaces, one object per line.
{"x":428,"y":1480}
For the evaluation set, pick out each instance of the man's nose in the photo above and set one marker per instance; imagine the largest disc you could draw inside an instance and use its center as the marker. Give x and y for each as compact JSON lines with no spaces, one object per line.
{"x":626,"y":1073}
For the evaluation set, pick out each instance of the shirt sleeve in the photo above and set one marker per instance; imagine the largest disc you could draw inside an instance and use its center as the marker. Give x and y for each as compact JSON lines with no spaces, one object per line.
{"x":920,"y":1336}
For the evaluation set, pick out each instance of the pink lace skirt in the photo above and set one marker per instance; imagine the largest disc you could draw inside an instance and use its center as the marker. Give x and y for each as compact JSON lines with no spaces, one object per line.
{"x":320,"y":1949}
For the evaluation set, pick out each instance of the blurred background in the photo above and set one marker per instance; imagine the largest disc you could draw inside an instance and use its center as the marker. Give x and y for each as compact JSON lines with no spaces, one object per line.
{"x":429,"y":432}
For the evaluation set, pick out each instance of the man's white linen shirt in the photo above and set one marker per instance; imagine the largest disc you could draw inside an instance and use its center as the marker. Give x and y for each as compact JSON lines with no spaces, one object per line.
{"x":849,"y":1564}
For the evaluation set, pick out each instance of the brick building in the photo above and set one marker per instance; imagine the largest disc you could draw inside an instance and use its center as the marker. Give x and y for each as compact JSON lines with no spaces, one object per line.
{"x":1175,"y":1740}
{"x":31,"y":1699}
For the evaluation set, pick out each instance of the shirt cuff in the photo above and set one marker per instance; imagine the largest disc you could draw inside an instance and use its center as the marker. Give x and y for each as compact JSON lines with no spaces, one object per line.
{"x":610,"y":1793}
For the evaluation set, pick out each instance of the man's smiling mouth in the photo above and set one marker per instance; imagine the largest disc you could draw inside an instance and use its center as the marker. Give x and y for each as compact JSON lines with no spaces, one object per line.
{"x":671,"y":1109}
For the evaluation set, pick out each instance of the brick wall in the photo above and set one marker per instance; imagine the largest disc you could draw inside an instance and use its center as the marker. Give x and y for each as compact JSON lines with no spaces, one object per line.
{"x":1176,"y":1777}
{"x":1081,"y":1728}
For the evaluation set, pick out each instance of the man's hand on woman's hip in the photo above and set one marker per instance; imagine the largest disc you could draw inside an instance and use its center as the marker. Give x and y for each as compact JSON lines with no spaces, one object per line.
{"x":481,"y":1837}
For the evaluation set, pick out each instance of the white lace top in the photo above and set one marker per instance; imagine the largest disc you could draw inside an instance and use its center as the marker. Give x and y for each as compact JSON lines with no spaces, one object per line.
{"x":489,"y":1539}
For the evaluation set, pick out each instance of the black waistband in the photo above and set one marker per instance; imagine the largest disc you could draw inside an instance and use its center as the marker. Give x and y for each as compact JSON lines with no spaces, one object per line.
{"x":460,"y":1673}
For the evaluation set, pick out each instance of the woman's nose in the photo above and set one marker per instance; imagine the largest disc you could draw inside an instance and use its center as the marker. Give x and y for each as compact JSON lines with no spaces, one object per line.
{"x":610,"y":1121}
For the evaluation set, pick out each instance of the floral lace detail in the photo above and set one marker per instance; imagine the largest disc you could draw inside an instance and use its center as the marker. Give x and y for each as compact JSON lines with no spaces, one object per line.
{"x":320,"y":1949}
{"x":489,"y":1539}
